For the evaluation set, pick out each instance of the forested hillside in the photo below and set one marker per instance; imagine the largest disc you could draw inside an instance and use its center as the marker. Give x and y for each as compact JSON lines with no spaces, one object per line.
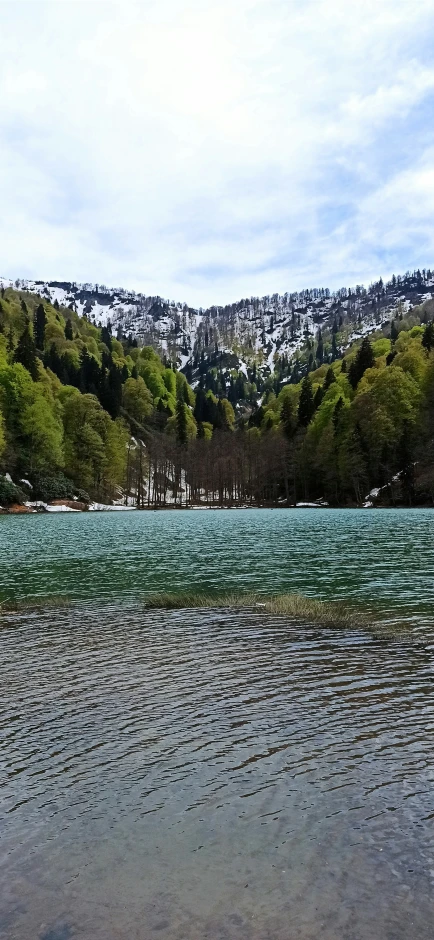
{"x":236,"y":349}
{"x":85,"y":414}
{"x":70,"y":395}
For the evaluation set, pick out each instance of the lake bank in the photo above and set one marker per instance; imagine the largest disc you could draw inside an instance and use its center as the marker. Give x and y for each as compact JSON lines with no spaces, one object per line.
{"x":69,"y":506}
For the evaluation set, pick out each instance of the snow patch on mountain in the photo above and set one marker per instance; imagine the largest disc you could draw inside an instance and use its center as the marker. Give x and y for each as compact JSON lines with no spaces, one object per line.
{"x":254,"y":330}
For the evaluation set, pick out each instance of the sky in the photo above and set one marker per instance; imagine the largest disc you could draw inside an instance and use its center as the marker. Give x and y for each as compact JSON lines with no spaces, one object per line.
{"x":210,"y":151}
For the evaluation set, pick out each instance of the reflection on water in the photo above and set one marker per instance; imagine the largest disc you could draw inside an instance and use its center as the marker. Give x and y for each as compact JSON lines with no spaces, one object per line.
{"x":207,"y":775}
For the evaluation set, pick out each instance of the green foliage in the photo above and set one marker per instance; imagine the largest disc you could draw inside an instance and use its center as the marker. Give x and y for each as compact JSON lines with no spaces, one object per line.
{"x":137,"y":399}
{"x":2,"y":435}
{"x":381,"y":347}
{"x":62,"y":392}
{"x":47,"y":486}
{"x":9,"y":493}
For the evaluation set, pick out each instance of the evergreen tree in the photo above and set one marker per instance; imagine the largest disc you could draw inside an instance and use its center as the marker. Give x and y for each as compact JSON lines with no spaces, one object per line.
{"x":334,"y":348}
{"x":287,"y":418}
{"x":40,"y":322}
{"x":68,"y":329}
{"x":393,"y":332}
{"x":318,"y":397}
{"x":428,"y":337}
{"x":364,"y":360}
{"x":306,"y":405}
{"x":25,"y":352}
{"x":329,"y":379}
{"x":200,"y":406}
{"x":320,"y":348}
{"x":181,"y":420}
{"x":106,"y":336}
{"x":336,"y":413}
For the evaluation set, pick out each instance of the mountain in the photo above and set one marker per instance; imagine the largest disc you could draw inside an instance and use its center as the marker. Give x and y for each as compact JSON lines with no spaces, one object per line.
{"x":257,"y":337}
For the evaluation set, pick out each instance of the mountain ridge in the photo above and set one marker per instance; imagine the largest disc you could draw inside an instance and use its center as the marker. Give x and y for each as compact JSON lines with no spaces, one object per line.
{"x":256,"y":336}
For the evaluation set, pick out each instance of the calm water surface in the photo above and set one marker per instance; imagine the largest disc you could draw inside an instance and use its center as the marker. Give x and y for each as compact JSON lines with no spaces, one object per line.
{"x":211,"y":774}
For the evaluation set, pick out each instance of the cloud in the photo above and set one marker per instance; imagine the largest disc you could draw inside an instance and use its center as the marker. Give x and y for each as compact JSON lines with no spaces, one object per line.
{"x":210,"y":151}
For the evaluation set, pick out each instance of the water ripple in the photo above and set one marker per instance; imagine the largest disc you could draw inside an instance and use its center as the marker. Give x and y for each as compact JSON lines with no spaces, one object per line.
{"x":132,"y":743}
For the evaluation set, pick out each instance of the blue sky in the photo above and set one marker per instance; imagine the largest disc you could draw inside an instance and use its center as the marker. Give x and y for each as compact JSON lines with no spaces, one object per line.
{"x":207,"y":152}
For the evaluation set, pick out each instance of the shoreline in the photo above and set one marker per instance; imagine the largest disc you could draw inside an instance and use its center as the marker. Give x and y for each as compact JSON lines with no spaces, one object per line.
{"x":49,"y":509}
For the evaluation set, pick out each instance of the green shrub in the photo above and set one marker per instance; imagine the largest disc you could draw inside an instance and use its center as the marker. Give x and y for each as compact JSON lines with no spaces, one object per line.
{"x":48,"y":486}
{"x":9,"y":493}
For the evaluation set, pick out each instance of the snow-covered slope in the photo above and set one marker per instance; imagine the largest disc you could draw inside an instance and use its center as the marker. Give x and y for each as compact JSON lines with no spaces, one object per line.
{"x":256,"y":329}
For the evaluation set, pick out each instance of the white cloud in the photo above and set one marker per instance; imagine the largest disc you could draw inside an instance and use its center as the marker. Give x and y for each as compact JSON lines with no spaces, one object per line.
{"x":208,"y":151}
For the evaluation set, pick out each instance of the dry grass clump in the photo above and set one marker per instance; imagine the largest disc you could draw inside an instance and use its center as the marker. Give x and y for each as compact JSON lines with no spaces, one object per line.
{"x":294,"y":606}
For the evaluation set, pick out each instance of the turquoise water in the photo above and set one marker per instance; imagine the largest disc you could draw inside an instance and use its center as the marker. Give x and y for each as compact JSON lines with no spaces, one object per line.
{"x":216,"y":774}
{"x":378,"y":557}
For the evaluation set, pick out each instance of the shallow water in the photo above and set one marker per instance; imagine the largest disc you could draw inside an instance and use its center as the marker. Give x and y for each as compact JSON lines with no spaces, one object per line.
{"x":211,"y":774}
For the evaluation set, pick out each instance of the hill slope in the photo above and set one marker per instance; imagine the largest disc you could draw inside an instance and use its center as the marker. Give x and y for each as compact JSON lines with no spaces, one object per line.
{"x":255,"y":336}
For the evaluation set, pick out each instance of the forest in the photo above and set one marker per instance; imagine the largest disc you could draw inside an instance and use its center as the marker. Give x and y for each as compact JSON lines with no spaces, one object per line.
{"x":87,"y":414}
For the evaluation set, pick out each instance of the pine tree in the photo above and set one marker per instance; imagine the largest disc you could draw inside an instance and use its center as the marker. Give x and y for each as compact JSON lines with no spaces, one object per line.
{"x":364,"y":360}
{"x":25,"y":352}
{"x":287,"y":418}
{"x":40,"y":322}
{"x":329,"y":379}
{"x":106,"y":336}
{"x":68,"y":329}
{"x":393,"y":332}
{"x":305,"y":406}
{"x":318,"y":397}
{"x":334,"y":348}
{"x":428,"y":337}
{"x":320,"y":348}
{"x":336,"y":413}
{"x":181,"y":420}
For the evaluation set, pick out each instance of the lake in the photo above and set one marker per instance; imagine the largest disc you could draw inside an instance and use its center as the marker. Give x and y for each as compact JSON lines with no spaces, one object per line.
{"x":216,"y":774}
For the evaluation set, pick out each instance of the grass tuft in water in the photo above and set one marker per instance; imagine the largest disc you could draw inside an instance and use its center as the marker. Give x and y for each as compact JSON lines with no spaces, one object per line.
{"x":295,"y":607}
{"x":33,"y":604}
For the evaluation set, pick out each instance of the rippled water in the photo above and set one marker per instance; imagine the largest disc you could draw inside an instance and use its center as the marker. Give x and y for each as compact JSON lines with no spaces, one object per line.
{"x":209,"y":774}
